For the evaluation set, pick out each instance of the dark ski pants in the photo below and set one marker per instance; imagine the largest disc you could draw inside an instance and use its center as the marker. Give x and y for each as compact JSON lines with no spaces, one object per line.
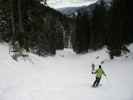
{"x":96,"y":82}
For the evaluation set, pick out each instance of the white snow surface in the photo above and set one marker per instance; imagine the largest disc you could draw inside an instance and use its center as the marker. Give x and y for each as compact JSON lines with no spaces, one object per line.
{"x":66,"y":76}
{"x":69,"y":3}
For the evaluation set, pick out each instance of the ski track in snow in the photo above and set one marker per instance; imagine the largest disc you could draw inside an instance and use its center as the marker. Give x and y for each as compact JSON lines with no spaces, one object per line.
{"x":66,"y":76}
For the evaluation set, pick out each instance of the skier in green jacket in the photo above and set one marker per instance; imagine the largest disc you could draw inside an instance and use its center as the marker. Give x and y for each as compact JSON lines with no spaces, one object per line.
{"x":99,"y":72}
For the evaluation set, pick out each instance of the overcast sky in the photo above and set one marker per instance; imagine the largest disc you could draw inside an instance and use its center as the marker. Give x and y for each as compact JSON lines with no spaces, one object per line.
{"x":68,"y":3}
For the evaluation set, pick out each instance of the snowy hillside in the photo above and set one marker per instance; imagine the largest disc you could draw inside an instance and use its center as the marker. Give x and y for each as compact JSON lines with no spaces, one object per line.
{"x":66,"y":76}
{"x":88,"y":8}
{"x":69,"y":3}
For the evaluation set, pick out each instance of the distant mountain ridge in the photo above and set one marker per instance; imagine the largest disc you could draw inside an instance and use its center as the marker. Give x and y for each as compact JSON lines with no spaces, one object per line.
{"x":72,"y":10}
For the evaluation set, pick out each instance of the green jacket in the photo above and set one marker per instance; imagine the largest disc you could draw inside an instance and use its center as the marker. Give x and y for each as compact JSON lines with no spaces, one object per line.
{"x":99,"y":72}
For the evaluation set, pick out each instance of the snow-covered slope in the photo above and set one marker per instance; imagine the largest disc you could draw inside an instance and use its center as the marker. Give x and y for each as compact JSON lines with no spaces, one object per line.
{"x":66,"y":76}
{"x":69,"y":3}
{"x":88,"y":8}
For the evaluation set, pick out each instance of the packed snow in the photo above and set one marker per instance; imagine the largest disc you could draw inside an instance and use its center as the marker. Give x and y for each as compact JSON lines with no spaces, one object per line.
{"x":65,"y":76}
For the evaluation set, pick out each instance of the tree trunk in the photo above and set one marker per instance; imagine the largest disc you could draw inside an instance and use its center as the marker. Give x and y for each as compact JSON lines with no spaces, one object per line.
{"x":20,"y":19}
{"x":12,"y":20}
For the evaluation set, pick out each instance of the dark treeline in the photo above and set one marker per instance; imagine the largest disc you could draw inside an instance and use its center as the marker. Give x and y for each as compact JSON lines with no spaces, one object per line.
{"x":109,"y":24}
{"x":31,"y":26}
{"x":121,"y":22}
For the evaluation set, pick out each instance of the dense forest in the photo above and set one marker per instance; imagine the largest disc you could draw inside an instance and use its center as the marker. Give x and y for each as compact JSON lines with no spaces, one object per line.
{"x":34,"y":27}
{"x":108,"y":25}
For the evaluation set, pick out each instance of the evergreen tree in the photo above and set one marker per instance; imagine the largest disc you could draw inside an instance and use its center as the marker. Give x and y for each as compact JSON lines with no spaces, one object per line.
{"x":121,"y":23}
{"x":99,"y":26}
{"x":129,"y":20}
{"x":81,"y":43}
{"x":5,"y":30}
